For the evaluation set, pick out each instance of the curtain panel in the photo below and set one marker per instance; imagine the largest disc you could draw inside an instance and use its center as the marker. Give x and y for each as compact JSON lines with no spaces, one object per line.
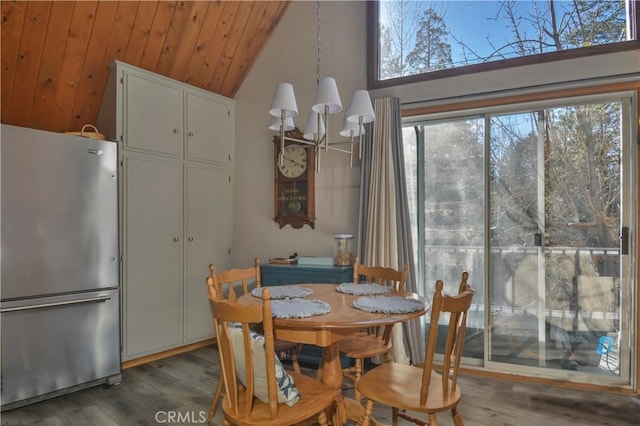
{"x":384,"y":226}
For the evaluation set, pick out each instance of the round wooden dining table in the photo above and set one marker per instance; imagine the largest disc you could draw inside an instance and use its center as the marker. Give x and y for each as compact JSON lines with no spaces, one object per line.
{"x":327,"y":330}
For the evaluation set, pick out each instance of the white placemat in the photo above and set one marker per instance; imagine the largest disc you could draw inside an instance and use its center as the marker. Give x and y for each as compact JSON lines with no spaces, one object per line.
{"x":387,"y":304}
{"x":363,"y":289}
{"x":285,"y":292}
{"x":299,"y":308}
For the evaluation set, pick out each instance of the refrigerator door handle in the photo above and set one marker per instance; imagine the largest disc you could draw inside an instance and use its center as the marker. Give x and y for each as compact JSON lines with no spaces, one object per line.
{"x":48,"y":305}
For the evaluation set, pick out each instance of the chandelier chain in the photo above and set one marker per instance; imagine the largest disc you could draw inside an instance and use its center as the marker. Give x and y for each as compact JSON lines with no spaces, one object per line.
{"x":319,"y":41}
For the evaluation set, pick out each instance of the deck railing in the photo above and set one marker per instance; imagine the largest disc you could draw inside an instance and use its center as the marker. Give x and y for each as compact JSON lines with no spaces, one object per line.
{"x":447,"y":262}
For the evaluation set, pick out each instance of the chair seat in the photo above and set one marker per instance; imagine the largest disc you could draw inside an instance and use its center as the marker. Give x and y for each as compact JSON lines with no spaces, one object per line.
{"x":314,"y":397}
{"x":401,"y":388}
{"x":363,"y":345}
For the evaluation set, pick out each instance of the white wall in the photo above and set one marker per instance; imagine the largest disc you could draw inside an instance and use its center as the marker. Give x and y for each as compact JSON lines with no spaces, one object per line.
{"x":290,"y":56}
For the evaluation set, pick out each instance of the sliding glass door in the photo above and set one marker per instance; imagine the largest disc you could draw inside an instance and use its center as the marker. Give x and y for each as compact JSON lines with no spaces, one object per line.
{"x":535,"y":202}
{"x":556,"y":217}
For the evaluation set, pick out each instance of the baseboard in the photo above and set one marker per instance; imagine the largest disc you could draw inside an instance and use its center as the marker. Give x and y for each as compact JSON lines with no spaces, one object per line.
{"x":171,"y":352}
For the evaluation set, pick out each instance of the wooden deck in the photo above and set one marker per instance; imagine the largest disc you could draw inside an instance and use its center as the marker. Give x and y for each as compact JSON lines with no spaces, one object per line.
{"x":181,"y":386}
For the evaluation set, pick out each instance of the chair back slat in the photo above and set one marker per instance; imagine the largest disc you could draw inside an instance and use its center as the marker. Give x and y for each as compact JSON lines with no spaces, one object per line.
{"x":430,"y":349}
{"x":228,"y":283}
{"x":248,"y":362}
{"x":227,"y":364}
{"x":464,"y":285}
{"x":457,"y":306}
{"x":267,"y":330}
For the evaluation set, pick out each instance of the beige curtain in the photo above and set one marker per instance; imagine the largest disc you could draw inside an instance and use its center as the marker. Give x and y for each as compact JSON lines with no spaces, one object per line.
{"x":378,"y":231}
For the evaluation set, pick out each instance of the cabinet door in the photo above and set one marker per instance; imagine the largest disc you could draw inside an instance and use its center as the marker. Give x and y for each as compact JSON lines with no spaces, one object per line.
{"x":153,"y":119}
{"x":209,"y":234}
{"x":209,"y":129}
{"x":153,"y":249}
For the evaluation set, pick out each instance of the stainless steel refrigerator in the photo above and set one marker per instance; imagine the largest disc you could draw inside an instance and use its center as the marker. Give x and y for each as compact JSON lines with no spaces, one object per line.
{"x":59,"y":276}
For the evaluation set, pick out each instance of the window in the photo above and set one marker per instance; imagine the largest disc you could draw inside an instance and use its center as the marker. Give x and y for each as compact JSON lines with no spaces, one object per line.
{"x":531,"y":199}
{"x":417,"y":40}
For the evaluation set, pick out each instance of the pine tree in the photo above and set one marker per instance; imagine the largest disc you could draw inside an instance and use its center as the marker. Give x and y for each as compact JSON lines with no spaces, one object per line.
{"x":431,"y":51}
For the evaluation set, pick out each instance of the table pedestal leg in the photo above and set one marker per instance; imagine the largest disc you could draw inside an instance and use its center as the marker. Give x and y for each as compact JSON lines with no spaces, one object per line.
{"x":332,"y":376}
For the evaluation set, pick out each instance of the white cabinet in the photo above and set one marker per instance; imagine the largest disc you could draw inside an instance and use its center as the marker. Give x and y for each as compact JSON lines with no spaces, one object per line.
{"x":152,"y":248}
{"x":153,"y":119}
{"x":209,"y":234}
{"x":176,"y":145}
{"x":152,"y":114}
{"x":206,"y":116}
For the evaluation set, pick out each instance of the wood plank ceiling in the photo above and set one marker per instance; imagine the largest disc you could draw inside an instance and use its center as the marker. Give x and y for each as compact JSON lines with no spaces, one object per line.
{"x":56,"y":54}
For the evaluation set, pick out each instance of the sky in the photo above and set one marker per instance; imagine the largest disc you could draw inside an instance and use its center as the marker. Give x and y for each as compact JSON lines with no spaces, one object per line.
{"x":473,"y":22}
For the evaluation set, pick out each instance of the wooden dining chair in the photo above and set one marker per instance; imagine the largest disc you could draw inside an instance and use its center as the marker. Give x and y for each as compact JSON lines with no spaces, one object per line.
{"x":424,"y":390}
{"x":375,"y":341}
{"x":226,"y":285}
{"x":259,"y":390}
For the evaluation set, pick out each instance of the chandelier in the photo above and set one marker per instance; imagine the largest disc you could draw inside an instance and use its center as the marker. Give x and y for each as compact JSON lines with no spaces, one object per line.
{"x":326,"y":102}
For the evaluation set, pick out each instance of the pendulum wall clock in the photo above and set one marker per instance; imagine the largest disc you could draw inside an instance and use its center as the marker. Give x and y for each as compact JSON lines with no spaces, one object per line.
{"x":294,"y":182}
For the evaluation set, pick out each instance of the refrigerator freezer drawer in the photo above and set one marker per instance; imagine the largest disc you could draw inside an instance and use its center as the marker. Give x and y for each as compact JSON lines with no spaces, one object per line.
{"x":56,"y":344}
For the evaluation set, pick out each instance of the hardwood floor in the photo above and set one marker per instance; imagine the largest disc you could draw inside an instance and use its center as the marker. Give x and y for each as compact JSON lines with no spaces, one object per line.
{"x":182,"y":386}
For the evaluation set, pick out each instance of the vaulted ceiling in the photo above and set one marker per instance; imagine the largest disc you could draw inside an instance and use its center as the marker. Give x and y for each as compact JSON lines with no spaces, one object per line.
{"x":56,"y":54}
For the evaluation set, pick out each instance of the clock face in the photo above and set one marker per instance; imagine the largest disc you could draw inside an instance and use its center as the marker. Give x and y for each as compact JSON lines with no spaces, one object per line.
{"x":294,"y":161}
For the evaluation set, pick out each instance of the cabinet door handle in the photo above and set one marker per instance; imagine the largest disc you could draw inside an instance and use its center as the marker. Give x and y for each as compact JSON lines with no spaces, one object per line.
{"x":176,"y":131}
{"x":176,"y":239}
{"x":190,"y":133}
{"x":190,"y":238}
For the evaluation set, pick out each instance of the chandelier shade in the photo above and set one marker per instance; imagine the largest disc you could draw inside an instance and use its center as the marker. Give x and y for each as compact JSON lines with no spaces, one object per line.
{"x":351,"y":129}
{"x":277,"y":121}
{"x":360,"y":110}
{"x":284,"y":101}
{"x":327,"y":96}
{"x":314,"y":129}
